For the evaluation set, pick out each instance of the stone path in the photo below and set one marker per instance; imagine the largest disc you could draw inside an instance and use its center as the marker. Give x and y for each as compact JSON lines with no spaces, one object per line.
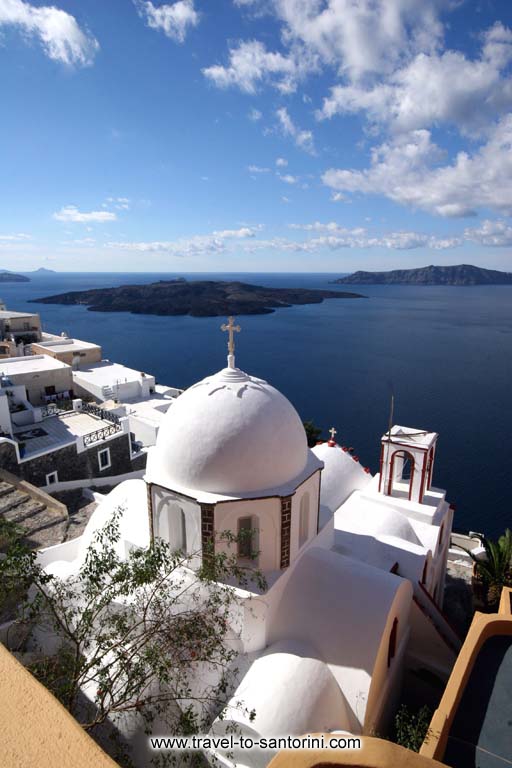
{"x":43,"y":525}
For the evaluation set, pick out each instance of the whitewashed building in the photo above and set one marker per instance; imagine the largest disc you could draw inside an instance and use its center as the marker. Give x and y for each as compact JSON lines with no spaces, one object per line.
{"x":324,"y":646}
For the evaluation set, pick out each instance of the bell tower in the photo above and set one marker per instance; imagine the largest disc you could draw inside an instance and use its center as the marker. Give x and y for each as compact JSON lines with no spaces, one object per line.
{"x":407,"y":463}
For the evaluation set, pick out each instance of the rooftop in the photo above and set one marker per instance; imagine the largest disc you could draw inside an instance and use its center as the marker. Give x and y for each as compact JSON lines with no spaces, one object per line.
{"x":418,"y":437}
{"x":12,"y":366}
{"x":5,"y":314}
{"x":67,"y":345}
{"x":107,"y":373}
{"x":155,"y":406}
{"x":57,"y":431}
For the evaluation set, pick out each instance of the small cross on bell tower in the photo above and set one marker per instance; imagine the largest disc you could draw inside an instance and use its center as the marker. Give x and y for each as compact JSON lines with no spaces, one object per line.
{"x":231,"y":328}
{"x":332,"y":433}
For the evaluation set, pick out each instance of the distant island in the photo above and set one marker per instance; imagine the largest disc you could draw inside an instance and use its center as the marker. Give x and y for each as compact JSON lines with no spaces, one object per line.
{"x":198,"y":298}
{"x":12,"y":277}
{"x":461,"y":274}
{"x":43,"y":271}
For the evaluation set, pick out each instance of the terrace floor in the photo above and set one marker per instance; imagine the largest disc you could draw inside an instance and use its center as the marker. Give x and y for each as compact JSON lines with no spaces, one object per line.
{"x":57,"y":431}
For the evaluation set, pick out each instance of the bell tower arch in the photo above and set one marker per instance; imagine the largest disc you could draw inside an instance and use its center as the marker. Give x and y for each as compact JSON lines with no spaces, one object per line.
{"x":407,"y":463}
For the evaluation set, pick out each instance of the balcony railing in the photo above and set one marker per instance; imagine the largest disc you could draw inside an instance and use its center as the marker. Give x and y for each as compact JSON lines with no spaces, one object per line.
{"x":100,"y":413}
{"x":102,"y":434}
{"x":49,"y":410}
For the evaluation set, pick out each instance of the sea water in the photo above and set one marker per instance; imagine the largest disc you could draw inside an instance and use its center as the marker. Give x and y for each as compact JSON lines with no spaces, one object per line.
{"x":444,"y":351}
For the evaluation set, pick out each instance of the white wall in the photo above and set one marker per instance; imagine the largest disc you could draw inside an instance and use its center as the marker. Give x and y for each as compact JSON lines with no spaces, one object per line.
{"x":144,"y":432}
{"x":5,"y":415}
{"x":266,"y":514}
{"x":386,"y":680}
{"x":312,"y":487}
{"x":164,"y":502}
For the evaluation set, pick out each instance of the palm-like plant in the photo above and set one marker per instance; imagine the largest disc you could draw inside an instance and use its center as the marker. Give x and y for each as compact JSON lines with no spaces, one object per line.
{"x":494,"y":570}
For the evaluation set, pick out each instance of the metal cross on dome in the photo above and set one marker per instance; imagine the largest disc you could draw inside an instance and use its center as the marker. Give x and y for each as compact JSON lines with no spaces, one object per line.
{"x":332,"y":432}
{"x":231,"y":328}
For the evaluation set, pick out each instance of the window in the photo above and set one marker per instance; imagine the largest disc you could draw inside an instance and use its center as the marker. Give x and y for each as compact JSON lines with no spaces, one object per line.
{"x":392,"y":642}
{"x":304,"y":520}
{"x":104,"y":459}
{"x":177,"y":527}
{"x":52,"y":477}
{"x":245,"y":535}
{"x":49,"y":390}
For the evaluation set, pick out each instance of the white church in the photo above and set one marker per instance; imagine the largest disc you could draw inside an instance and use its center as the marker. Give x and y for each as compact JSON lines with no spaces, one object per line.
{"x":354,"y":563}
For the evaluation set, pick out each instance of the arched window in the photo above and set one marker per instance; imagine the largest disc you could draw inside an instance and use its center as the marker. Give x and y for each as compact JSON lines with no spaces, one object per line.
{"x":245,"y":536}
{"x":401,"y":472}
{"x":392,"y":641}
{"x":304,"y":520}
{"x":177,"y":527}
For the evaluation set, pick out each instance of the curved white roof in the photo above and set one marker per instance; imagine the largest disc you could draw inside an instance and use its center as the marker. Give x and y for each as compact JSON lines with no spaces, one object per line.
{"x":341,"y":475}
{"x":377,"y":520}
{"x":228,"y":434}
{"x":291,"y":691}
{"x":340,"y":607}
{"x":130,"y":498}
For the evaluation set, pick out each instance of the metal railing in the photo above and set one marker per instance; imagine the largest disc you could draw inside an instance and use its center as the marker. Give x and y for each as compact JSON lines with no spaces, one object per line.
{"x":100,"y":413}
{"x":102,"y":434}
{"x":49,"y":410}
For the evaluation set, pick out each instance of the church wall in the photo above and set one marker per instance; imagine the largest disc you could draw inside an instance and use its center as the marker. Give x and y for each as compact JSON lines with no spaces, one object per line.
{"x":163,"y":503}
{"x":442,"y":557}
{"x":387,"y":679}
{"x":266,"y":514}
{"x":312,"y":487}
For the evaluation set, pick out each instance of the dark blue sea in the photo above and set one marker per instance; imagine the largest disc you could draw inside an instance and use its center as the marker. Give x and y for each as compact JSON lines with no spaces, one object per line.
{"x":445,"y":351}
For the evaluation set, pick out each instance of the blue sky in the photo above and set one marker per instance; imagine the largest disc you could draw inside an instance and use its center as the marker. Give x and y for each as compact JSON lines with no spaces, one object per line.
{"x":255,"y":135}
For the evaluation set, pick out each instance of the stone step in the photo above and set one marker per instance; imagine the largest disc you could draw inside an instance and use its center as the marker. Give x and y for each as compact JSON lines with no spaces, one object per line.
{"x":37,"y":518}
{"x":13,"y":499}
{"x":24,"y":511}
{"x":5,"y":488}
{"x":47,"y":536}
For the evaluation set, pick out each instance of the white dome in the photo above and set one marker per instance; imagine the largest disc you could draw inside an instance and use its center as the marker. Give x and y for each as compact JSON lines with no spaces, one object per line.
{"x":291,"y":692}
{"x":378,"y":521}
{"x":341,"y":475}
{"x":230,"y":433}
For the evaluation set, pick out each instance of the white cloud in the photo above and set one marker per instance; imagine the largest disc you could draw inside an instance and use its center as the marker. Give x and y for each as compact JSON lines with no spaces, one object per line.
{"x":61,"y":37}
{"x":216,"y":242}
{"x":409,"y":170}
{"x":15,"y":238}
{"x":281,"y":162}
{"x":174,"y":19}
{"x":330,"y":227}
{"x":255,"y":115}
{"x":490,"y":233}
{"x":355,"y":239}
{"x":242,"y":232}
{"x":88,"y":241}
{"x":70,"y":213}
{"x":358,"y":38}
{"x":288,"y":178}
{"x":121,"y":203}
{"x":251,"y":65}
{"x":436,"y":88}
{"x":303,"y":139}
{"x":257,"y":169}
